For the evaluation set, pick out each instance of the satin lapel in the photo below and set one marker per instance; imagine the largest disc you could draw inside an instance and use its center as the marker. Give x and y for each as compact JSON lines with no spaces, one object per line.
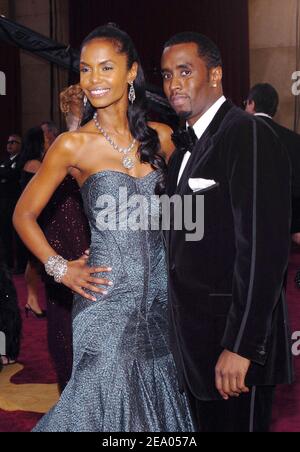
{"x":197,"y":152}
{"x":203,"y":146}
{"x":173,"y":171}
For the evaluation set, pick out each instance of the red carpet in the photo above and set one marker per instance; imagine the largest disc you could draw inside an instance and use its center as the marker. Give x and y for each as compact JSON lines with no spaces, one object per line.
{"x":286,"y":414}
{"x":34,"y":356}
{"x":34,"y":351}
{"x":38,"y":367}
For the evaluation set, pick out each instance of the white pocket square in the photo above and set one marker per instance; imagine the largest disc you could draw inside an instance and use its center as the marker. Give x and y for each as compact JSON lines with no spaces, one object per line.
{"x":201,"y":184}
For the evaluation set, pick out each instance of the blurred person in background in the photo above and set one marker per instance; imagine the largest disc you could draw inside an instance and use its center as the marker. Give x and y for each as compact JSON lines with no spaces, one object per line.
{"x":9,"y":195}
{"x":263,"y":101}
{"x":51,"y":132}
{"x":10,"y":319}
{"x":30,"y":162}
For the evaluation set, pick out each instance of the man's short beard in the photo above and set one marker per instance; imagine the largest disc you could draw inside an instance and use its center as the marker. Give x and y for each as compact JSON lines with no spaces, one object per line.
{"x":185,"y":115}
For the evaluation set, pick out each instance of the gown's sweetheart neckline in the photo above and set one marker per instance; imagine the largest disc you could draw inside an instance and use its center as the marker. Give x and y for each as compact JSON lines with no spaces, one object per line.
{"x":116,"y":172}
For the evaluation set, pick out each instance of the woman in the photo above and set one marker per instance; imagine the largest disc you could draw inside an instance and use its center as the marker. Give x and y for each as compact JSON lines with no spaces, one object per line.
{"x":124,"y":376}
{"x":30,"y":162}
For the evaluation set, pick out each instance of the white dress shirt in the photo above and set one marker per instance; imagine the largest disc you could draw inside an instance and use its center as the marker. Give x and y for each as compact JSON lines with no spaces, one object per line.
{"x":263,"y":114}
{"x":200,"y":127}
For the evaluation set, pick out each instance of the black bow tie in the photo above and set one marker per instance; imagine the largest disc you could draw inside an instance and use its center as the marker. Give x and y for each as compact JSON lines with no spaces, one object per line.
{"x":185,"y":139}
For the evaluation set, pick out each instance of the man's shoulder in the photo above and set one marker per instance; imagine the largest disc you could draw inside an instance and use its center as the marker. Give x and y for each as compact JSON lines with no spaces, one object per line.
{"x":238,"y":120}
{"x":7,"y":162}
{"x":289,"y":135}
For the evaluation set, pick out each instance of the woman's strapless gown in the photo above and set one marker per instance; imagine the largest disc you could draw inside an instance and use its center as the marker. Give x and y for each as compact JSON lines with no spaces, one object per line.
{"x":124,"y":377}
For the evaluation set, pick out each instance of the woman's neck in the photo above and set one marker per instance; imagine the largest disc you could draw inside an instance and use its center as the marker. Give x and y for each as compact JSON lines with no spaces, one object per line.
{"x":114,"y":120}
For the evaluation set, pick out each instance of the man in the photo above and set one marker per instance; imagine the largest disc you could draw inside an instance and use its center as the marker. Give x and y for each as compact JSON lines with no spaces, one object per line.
{"x":50,"y":133}
{"x":263,"y":101}
{"x":9,"y":195}
{"x":228,"y":315}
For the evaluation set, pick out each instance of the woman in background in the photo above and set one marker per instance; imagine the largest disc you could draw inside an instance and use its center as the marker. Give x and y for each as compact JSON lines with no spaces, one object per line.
{"x":30,"y":162}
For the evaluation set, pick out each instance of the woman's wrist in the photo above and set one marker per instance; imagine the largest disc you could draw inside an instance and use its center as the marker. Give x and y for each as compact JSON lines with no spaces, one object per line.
{"x":57,"y":267}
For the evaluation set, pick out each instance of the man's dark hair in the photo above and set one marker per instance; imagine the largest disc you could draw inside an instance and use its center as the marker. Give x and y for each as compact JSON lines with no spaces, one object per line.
{"x":52,"y":127}
{"x":207,"y":49}
{"x":16,"y":135}
{"x":265,"y":97}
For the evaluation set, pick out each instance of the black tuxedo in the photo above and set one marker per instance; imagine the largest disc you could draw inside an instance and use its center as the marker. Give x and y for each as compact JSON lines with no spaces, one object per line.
{"x":291,"y":141}
{"x":226,"y":291}
{"x":9,"y":194}
{"x":10,"y":178}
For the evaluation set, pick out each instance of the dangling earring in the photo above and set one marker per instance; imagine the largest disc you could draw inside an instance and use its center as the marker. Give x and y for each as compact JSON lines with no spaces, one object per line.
{"x":85,"y":101}
{"x":132,"y":95}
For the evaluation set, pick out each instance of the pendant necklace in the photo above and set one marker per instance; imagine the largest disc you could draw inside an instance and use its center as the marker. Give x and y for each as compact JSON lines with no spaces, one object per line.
{"x":128,"y":162}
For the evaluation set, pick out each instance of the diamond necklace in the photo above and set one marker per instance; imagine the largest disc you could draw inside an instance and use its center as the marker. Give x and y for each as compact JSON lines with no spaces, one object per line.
{"x":128,"y":162}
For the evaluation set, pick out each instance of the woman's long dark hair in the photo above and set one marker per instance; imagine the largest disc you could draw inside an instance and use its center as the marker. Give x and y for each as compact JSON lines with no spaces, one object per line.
{"x":33,"y":146}
{"x":137,"y":112}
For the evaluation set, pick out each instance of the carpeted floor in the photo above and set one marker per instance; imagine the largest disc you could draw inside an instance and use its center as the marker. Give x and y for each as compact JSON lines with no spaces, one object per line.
{"x":29,"y":389}
{"x":286,"y":413}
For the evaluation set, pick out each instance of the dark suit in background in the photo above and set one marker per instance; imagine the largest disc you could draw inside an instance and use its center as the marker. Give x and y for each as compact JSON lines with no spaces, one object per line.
{"x":226,"y":291}
{"x":291,"y":141}
{"x":9,"y":194}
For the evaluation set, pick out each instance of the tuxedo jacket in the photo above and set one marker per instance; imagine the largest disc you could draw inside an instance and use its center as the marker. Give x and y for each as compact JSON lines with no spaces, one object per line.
{"x":10,"y":179}
{"x":291,"y":141}
{"x":226,"y":291}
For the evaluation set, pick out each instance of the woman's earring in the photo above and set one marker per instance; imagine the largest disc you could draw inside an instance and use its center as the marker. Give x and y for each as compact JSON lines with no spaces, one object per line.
{"x":132,"y":95}
{"x":85,"y":101}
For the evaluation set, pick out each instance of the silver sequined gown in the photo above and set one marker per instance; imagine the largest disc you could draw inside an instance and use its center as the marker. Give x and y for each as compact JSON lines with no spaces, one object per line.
{"x":124,"y":377}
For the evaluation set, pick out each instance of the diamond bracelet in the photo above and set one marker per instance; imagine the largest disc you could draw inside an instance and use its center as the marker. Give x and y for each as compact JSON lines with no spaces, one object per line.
{"x":57,"y":267}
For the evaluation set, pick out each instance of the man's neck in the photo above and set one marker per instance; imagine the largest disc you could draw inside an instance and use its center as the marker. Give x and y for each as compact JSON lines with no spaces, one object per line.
{"x":205,"y":120}
{"x":264,"y":115}
{"x":209,"y":104}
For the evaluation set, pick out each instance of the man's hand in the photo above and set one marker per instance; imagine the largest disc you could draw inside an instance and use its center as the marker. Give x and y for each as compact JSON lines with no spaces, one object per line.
{"x":231,"y":372}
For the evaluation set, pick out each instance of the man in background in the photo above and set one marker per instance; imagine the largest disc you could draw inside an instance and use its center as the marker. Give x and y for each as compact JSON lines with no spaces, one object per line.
{"x":51,"y":132}
{"x":9,"y":195}
{"x":263,"y":101}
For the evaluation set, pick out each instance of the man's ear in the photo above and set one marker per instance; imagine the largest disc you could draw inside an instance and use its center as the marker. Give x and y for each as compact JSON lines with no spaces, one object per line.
{"x":251,"y":107}
{"x":216,"y":76}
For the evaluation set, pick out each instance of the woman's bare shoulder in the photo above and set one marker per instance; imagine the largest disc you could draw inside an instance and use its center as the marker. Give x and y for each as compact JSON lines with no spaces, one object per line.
{"x":162,"y":129}
{"x":165,"y":137}
{"x":69,"y":143}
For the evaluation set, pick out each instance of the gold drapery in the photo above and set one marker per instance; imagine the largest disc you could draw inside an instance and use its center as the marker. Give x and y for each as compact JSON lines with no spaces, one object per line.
{"x":59,"y":31}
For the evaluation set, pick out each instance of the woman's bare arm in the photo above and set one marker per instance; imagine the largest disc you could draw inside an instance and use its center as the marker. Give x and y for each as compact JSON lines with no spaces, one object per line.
{"x":37,"y":195}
